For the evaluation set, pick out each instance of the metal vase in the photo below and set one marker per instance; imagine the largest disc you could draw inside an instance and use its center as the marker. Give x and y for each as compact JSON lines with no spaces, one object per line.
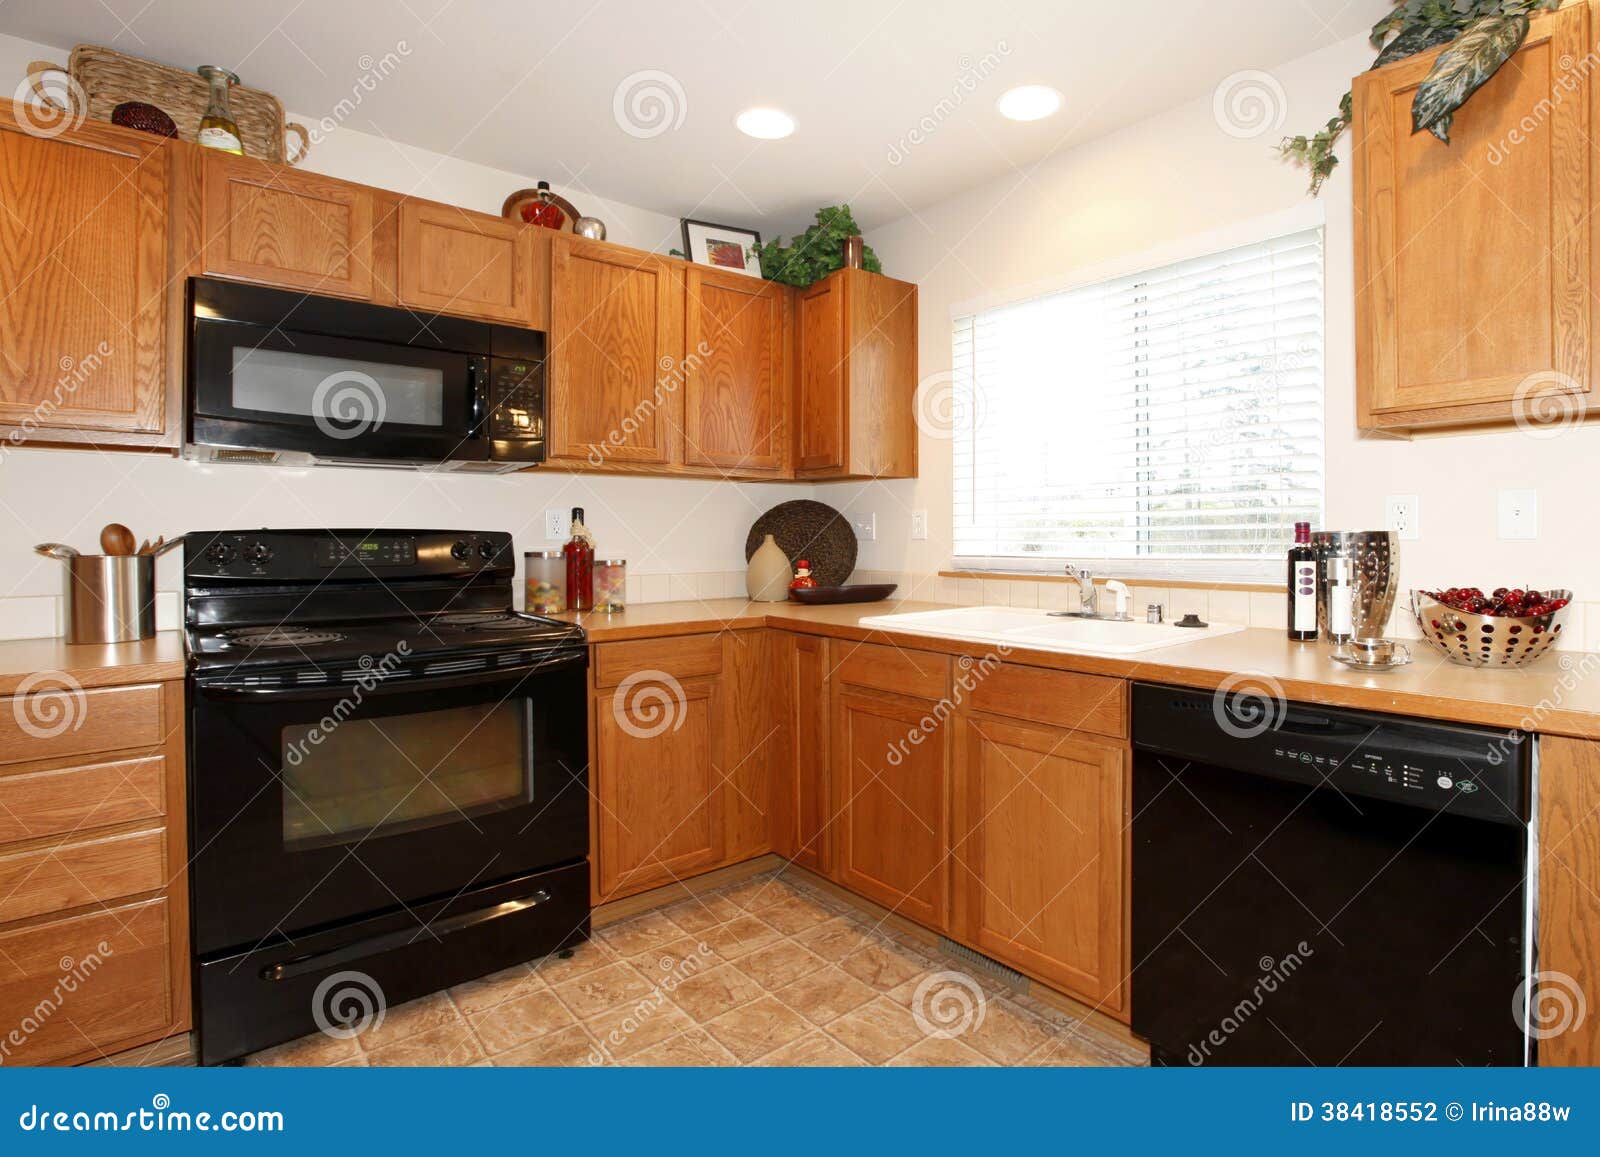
{"x":1375,"y":573}
{"x":111,"y":598}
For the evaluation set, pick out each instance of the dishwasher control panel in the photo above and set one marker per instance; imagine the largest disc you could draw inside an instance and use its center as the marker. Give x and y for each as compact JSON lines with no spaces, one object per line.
{"x":1477,"y":771}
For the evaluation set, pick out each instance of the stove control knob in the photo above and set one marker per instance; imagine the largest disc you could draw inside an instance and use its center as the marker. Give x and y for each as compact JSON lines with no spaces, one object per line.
{"x":259,"y":553}
{"x":486,"y":551}
{"x":219,"y":554}
{"x":461,"y":551}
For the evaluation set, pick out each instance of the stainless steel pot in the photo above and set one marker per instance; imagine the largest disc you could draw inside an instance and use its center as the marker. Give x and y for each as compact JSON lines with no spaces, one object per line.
{"x":111,"y":598}
{"x":1375,"y":571}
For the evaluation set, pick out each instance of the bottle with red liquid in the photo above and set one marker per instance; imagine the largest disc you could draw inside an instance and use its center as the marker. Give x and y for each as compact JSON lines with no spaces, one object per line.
{"x":1302,"y":585}
{"x":579,"y":552}
{"x":544,"y":211}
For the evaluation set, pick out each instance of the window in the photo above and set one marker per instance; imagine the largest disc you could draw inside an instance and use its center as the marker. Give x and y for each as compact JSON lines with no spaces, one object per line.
{"x":1169,"y":421}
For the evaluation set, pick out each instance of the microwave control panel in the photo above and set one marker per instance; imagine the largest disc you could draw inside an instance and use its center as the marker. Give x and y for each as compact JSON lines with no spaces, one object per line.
{"x":516,"y":405}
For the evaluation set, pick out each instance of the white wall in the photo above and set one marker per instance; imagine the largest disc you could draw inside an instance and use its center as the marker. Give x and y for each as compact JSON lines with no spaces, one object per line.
{"x":1165,"y":181}
{"x":691,"y":529}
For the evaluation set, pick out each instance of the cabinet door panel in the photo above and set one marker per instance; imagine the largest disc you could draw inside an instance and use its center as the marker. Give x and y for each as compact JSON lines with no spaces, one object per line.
{"x":615,"y":341}
{"x":271,"y":224}
{"x":735,"y":375}
{"x":454,"y":261}
{"x":659,"y":774}
{"x":83,"y":240}
{"x":820,"y":400}
{"x":890,"y":782}
{"x":1042,"y":864}
{"x":1473,"y":259}
{"x":807,"y":809}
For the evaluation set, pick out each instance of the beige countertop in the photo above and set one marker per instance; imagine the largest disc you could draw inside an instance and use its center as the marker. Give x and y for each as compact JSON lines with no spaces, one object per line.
{"x":1560,"y":694}
{"x":106,"y":665}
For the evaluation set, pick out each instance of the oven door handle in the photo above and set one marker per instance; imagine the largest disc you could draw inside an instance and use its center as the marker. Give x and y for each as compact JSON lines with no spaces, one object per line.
{"x":389,"y":685}
{"x":373,"y":945}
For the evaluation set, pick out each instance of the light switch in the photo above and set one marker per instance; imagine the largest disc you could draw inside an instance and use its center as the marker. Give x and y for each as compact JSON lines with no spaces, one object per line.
{"x":1519,"y":514}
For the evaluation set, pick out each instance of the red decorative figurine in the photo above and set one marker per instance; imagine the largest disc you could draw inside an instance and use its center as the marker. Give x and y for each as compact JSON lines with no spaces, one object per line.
{"x":802,"y":577}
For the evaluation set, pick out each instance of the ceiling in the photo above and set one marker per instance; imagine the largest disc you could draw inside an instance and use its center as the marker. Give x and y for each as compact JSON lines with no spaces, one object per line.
{"x":635,"y":99}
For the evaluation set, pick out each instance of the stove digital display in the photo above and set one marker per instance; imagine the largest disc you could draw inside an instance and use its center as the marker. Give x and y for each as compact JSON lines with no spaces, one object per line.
{"x":366,"y":552}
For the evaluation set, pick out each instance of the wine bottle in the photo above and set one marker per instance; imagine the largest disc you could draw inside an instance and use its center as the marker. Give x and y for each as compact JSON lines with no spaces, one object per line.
{"x":1302,"y":585}
{"x":579,"y":552}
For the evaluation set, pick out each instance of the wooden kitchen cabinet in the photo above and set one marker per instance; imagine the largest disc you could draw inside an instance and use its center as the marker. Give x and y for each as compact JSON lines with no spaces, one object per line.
{"x":856,"y":377}
{"x":83,"y":261}
{"x":94,"y":945}
{"x":278,"y":226}
{"x":735,"y":372}
{"x":801,"y":803}
{"x":890,"y":779}
{"x":1474,"y":261}
{"x":453,"y":260}
{"x":616,"y":340}
{"x":1569,"y":906}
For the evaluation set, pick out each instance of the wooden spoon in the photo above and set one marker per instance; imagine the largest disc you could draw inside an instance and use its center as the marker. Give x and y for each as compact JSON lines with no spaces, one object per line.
{"x":117,"y":539}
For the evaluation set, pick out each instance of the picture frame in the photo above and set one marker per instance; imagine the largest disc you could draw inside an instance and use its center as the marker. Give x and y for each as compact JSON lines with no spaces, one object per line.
{"x":721,"y":246}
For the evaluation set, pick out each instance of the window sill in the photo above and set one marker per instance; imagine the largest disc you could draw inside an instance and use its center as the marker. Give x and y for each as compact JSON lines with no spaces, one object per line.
{"x":1140,"y":581}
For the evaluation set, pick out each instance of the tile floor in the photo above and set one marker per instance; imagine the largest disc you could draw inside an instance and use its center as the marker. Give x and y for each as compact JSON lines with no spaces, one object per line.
{"x":767,"y":971}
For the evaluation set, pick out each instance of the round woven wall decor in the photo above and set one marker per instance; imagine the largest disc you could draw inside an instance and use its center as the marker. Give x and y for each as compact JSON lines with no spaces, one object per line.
{"x":810,"y":530}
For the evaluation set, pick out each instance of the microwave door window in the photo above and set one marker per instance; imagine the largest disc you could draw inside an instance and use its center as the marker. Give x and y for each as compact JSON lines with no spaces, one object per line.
{"x":346,"y":396}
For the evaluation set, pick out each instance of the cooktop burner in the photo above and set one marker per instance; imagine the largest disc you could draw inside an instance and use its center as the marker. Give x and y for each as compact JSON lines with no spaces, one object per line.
{"x":278,"y":637}
{"x":485,"y":621}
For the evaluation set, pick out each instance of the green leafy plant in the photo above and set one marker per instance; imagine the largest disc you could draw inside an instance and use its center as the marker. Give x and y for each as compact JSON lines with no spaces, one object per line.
{"x":1482,"y":34}
{"x":814,"y":254}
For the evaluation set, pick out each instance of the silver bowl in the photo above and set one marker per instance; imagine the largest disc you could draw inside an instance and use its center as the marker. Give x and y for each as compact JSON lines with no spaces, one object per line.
{"x":1487,"y":640}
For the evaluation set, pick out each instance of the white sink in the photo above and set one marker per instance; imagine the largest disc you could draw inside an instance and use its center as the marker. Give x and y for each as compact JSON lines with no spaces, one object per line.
{"x":1041,"y":631}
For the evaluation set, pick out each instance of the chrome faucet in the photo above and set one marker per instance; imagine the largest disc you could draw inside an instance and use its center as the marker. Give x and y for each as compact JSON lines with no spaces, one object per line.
{"x":1087,"y":592}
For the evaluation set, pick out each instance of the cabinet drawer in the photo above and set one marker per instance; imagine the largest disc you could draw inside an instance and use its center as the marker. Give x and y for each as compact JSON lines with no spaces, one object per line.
{"x":1060,"y":698}
{"x":685,"y":657}
{"x":86,"y":983}
{"x":50,"y":724}
{"x":67,"y":799}
{"x":892,"y":669}
{"x":64,"y":876}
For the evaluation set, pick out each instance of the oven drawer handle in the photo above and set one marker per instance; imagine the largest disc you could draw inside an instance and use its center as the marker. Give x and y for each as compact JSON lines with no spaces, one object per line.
{"x":395,"y":686}
{"x":373,"y":945}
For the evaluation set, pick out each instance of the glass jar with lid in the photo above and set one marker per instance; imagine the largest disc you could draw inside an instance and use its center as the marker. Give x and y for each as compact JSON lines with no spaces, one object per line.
{"x":611,"y":585}
{"x":545,"y":579}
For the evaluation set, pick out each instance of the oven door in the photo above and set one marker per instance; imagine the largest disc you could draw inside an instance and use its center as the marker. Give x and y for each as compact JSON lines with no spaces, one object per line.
{"x":312,"y":806}
{"x":261,"y":387}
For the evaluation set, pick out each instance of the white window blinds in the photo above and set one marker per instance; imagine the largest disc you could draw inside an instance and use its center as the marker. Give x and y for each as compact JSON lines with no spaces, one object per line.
{"x":1168,"y":418}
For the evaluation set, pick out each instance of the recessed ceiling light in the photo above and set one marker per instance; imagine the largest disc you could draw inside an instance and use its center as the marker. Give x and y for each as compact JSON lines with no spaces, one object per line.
{"x":767,"y":124}
{"x":1029,"y":102}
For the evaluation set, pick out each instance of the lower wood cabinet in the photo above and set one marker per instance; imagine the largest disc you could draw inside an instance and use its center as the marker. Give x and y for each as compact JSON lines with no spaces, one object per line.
{"x":1569,"y":900}
{"x":1040,"y":813}
{"x":802,"y":807}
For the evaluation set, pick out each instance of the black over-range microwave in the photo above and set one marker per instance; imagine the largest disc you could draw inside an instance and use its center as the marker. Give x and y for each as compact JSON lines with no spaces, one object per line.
{"x":296,"y":379}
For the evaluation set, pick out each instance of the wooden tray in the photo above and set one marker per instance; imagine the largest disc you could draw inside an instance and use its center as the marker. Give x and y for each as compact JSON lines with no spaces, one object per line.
{"x":829,"y":596}
{"x":103,"y":78}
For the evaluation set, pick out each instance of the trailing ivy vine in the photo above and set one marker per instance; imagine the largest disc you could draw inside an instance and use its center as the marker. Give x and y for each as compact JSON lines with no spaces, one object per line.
{"x":1482,"y":35}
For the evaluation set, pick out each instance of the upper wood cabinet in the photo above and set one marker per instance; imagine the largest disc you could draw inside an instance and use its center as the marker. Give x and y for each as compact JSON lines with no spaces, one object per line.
{"x":616,"y":339}
{"x":456,"y":261}
{"x":856,"y":380}
{"x":735,"y":371}
{"x":278,"y":226}
{"x":1474,"y":260}
{"x":83,"y":260}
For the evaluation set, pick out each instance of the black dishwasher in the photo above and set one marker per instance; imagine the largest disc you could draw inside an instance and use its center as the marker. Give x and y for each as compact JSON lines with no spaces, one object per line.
{"x":1319,"y":886}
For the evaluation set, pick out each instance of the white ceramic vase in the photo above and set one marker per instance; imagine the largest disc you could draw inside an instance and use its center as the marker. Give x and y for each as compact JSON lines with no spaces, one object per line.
{"x":767,"y":579}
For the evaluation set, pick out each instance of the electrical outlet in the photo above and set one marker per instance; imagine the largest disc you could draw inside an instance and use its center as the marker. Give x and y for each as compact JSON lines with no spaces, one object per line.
{"x":919,"y":525}
{"x":1519,"y":514}
{"x":1403,"y":515}
{"x":557,"y":525}
{"x":867,"y":527}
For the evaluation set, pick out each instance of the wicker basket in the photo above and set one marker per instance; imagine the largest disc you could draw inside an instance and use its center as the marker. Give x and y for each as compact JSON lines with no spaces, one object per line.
{"x":103,"y":78}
